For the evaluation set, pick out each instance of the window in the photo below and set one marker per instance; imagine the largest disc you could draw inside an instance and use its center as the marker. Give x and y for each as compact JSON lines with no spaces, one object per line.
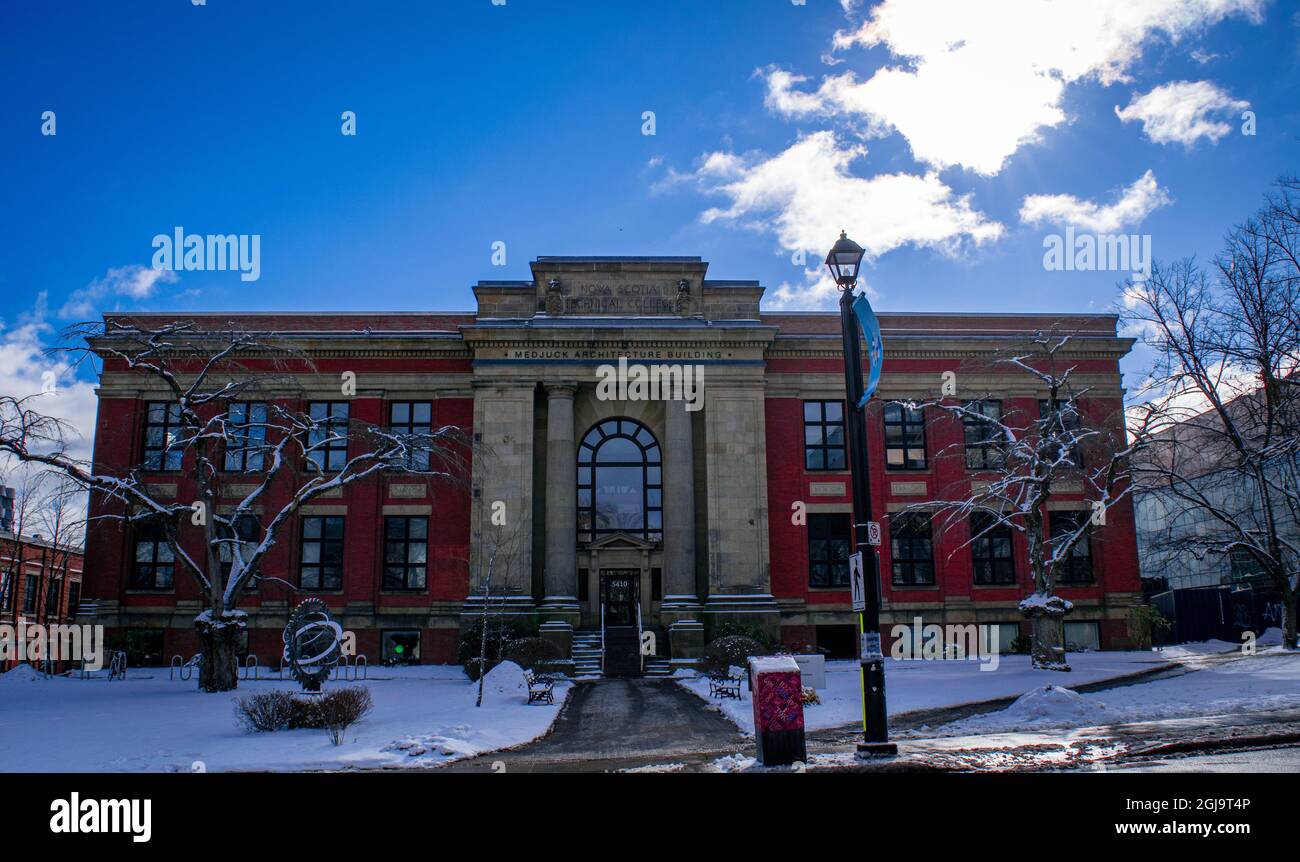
{"x":413,"y":419}
{"x":991,"y":553}
{"x":154,"y":559}
{"x":823,"y":435}
{"x":983,"y":437}
{"x":52,"y":597}
{"x":322,"y":553}
{"x":74,"y":596}
{"x":31,"y":586}
{"x":1082,"y":637}
{"x":911,"y":549}
{"x":327,"y":442}
{"x":1077,"y":567}
{"x":1007,"y":634}
{"x":249,"y":533}
{"x":620,"y":482}
{"x":6,"y":594}
{"x":162,"y":428}
{"x":402,"y":647}
{"x":904,"y":437}
{"x":245,"y":437}
{"x":1064,"y":422}
{"x":830,"y":542}
{"x":406,"y":552}
{"x":1244,"y":568}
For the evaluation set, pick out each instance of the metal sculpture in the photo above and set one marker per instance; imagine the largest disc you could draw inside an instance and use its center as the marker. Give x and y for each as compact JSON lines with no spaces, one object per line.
{"x":312,"y":644}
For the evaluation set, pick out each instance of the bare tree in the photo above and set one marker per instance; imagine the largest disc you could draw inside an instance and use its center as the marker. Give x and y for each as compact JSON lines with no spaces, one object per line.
{"x":1224,"y":396}
{"x":1031,"y":460}
{"x":497,"y":561}
{"x":209,"y":377}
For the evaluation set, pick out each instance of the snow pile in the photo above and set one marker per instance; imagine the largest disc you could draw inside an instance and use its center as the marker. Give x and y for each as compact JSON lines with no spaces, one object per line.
{"x":505,"y":680}
{"x":1051,"y":705}
{"x":23,"y":673}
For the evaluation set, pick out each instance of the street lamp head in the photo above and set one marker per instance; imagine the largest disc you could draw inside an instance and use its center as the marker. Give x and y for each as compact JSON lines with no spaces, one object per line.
{"x":844,"y":261}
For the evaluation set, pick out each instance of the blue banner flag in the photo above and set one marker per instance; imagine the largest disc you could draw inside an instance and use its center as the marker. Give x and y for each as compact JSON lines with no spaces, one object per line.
{"x":875,"y":346}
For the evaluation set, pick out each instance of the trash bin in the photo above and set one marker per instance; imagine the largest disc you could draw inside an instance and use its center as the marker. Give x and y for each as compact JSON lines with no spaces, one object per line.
{"x":778,"y":709}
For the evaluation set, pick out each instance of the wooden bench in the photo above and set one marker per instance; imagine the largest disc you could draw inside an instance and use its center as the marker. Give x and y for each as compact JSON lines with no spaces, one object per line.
{"x":724,"y":685}
{"x":540,"y":688}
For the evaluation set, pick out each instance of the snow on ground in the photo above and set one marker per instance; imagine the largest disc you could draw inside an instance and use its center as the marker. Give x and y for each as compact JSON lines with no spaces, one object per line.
{"x":1249,"y":684}
{"x":423,"y":716}
{"x":914,"y":684}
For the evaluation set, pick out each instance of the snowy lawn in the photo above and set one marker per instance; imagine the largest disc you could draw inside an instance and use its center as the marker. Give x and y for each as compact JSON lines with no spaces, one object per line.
{"x":914,"y":685}
{"x":422,"y":716}
{"x":1258,"y":683}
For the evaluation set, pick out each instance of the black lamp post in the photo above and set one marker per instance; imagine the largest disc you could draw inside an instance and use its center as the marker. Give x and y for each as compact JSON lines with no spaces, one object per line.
{"x":844,"y":261}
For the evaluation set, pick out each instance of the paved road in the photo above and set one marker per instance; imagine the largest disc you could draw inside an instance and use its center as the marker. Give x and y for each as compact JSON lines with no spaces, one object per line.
{"x":619,"y":724}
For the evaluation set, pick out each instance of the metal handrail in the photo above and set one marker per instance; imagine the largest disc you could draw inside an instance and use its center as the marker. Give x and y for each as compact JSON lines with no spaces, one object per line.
{"x":640,"y":657}
{"x":602,"y":637}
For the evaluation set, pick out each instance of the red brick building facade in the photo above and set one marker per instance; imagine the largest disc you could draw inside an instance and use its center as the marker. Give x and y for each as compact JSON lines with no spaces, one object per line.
{"x":672,"y":520}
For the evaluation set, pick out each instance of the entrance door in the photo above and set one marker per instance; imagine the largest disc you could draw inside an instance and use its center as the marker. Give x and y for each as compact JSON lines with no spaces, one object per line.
{"x":618,"y":594}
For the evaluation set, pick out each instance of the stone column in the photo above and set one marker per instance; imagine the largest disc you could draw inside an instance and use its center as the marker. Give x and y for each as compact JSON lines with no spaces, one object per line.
{"x":560,"y":580}
{"x":680,"y":608}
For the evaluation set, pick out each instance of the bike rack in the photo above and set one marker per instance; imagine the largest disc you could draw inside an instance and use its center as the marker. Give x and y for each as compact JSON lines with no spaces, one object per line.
{"x":177,"y":666}
{"x":117,"y":667}
{"x":362,"y":664}
{"x":249,"y":670}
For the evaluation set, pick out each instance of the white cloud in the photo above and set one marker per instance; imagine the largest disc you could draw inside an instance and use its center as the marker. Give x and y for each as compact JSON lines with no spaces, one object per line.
{"x":816,"y":290}
{"x":131,"y":281}
{"x":26,"y":369}
{"x":980,"y":78}
{"x":807,"y":194}
{"x":1182,"y":112}
{"x":1133,"y":205}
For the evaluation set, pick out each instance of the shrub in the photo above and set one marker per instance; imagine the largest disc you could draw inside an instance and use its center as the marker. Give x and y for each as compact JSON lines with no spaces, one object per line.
{"x":334,"y":711}
{"x":267,"y":711}
{"x":341,"y":708}
{"x":754,"y":633}
{"x":500,"y":634}
{"x":730,"y":651}
{"x":535,"y":654}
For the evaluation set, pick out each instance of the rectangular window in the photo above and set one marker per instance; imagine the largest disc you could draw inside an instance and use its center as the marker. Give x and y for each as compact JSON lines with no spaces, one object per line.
{"x":991,"y":552}
{"x":983,"y":436}
{"x":162,"y":428}
{"x":904,"y":437}
{"x":31,"y":584}
{"x":1077,"y":568}
{"x":823,"y":435}
{"x":414,"y":419}
{"x":911,"y":549}
{"x":1244,"y":568}
{"x":249,"y":533}
{"x":155,"y":561}
{"x":406,"y":552}
{"x":327,"y":441}
{"x":401,"y":647}
{"x":830,"y":542}
{"x":52,"y":596}
{"x":1063,"y":423}
{"x":245,"y":437}
{"x":1082,"y":637}
{"x":322,"y":553}
{"x":74,"y":596}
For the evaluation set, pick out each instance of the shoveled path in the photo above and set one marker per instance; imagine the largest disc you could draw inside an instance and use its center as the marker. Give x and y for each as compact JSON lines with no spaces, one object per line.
{"x":617,"y":724}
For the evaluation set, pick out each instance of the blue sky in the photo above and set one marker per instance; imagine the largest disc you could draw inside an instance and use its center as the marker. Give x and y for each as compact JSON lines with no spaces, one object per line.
{"x":948,"y":136}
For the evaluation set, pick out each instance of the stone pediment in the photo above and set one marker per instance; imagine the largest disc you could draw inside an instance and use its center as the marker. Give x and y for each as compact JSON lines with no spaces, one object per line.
{"x":622,"y":541}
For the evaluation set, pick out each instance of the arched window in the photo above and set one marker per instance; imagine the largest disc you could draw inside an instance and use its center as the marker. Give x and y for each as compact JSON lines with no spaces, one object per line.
{"x":620,"y":482}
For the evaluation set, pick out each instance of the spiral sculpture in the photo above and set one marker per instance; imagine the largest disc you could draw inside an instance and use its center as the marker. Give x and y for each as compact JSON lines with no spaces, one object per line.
{"x":312,"y":644}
